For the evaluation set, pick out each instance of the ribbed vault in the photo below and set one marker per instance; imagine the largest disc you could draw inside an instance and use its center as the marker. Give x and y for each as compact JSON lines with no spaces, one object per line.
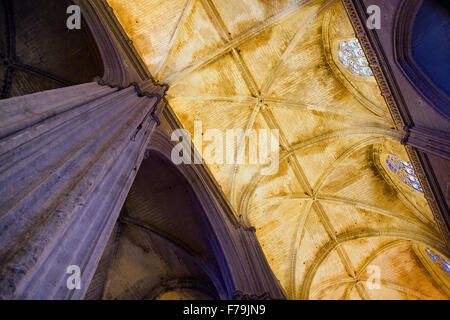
{"x":332,"y":210}
{"x":38,"y":54}
{"x":162,"y":246}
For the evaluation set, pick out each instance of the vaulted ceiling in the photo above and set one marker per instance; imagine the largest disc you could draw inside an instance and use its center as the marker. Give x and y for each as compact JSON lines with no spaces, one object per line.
{"x":333,"y":211}
{"x":38,"y":53}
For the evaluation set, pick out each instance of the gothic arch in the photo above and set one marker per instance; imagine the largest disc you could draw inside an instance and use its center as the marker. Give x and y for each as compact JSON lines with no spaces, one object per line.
{"x":182,"y":284}
{"x":347,"y":79}
{"x":162,"y":225}
{"x":358,"y":234}
{"x":233,"y":239}
{"x":403,"y":38}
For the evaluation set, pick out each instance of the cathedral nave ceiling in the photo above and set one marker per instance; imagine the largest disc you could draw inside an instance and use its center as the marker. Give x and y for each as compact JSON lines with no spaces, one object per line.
{"x":334,"y":209}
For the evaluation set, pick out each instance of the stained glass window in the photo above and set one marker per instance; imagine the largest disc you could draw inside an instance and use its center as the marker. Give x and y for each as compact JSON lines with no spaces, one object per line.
{"x":352,"y":56}
{"x":404,"y":171}
{"x":445,"y":265}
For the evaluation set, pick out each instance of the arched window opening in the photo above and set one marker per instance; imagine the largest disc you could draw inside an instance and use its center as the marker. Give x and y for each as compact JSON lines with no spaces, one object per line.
{"x":404,"y":171}
{"x":441,"y":261}
{"x":423,"y":49}
{"x":431,"y":42}
{"x":352,"y":56}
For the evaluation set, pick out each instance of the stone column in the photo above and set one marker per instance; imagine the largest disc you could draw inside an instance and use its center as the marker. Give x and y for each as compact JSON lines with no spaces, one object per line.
{"x":260,"y":282}
{"x":67,"y":160}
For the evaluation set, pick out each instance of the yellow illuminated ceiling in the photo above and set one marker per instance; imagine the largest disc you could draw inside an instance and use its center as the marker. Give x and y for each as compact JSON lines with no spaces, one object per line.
{"x":332,"y":212}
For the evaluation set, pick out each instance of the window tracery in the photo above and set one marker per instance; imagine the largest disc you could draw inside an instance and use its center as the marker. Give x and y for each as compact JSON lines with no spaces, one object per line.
{"x":404,"y":171}
{"x":352,"y":56}
{"x":443,"y":263}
